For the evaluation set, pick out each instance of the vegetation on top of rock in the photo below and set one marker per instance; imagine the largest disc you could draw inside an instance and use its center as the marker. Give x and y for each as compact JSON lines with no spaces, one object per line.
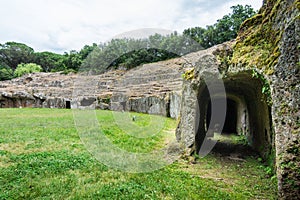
{"x":257,"y":45}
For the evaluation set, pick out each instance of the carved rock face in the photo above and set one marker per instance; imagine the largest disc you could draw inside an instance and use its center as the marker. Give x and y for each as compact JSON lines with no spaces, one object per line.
{"x":271,"y":102}
{"x":146,"y":89}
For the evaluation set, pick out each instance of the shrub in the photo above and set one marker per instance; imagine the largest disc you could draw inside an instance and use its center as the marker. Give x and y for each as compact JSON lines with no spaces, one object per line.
{"x":27,"y":68}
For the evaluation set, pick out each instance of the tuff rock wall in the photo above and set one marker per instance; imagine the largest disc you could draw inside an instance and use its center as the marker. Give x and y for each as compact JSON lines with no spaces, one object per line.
{"x":276,"y":31}
{"x":261,"y":68}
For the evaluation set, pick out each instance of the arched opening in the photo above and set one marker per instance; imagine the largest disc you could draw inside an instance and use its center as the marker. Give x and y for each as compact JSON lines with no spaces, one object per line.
{"x":247,"y":113}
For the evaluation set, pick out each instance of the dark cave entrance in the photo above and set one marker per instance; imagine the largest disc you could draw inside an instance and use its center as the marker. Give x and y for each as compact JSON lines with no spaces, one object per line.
{"x":247,"y":116}
{"x":230,"y":124}
{"x":68,"y":104}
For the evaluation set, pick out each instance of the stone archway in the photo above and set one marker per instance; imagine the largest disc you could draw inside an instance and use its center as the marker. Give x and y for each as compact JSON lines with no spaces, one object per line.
{"x":247,"y":112}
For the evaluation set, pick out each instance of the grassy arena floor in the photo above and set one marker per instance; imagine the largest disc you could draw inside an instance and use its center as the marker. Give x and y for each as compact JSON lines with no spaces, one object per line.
{"x":42,"y":157}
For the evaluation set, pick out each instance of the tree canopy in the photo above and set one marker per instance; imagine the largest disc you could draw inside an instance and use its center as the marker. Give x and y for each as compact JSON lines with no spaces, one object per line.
{"x":224,"y":29}
{"x":13,"y":53}
{"x":127,"y":53}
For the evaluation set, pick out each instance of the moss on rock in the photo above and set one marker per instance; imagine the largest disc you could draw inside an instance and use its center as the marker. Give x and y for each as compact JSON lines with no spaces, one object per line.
{"x":257,"y":45}
{"x":189,"y":74}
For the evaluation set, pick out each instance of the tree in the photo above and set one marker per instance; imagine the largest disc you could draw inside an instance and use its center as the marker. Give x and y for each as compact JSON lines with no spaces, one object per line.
{"x":13,"y":53}
{"x":128,"y":53}
{"x":228,"y":27}
{"x":27,"y":68}
{"x":195,"y":33}
{"x":224,"y":30}
{"x":6,"y":73}
{"x":86,"y":50}
{"x":49,"y":61}
{"x":72,"y":60}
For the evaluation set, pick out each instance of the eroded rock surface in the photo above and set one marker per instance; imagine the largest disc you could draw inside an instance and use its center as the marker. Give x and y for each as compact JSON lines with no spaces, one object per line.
{"x":261,"y":75}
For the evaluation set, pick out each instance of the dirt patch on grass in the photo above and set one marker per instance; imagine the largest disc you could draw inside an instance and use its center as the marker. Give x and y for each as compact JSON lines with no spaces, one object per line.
{"x":33,"y":147}
{"x":14,"y":148}
{"x":230,"y":162}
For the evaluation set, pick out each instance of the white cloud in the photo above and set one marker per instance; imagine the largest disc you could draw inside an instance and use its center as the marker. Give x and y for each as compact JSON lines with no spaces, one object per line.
{"x":62,"y":25}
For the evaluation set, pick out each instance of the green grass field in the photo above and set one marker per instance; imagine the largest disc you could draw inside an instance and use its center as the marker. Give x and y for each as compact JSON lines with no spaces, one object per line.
{"x":43,"y":157}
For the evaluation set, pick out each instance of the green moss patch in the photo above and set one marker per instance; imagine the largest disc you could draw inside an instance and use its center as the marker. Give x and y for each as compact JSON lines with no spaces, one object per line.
{"x":257,"y":45}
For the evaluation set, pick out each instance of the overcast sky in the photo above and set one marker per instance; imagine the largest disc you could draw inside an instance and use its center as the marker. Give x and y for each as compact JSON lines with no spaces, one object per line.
{"x":63,"y":25}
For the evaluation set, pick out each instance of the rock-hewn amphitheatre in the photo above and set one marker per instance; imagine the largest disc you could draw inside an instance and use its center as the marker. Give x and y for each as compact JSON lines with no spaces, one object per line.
{"x":151,"y":88}
{"x":260,"y":72}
